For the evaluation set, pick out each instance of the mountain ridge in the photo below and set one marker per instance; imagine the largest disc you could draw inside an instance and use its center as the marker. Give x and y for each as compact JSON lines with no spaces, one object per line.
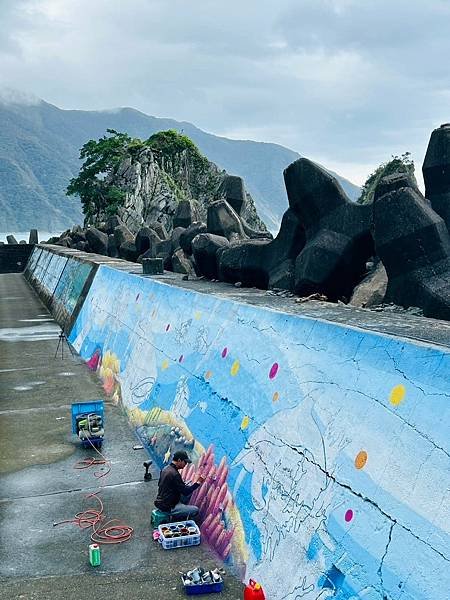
{"x":39,"y":154}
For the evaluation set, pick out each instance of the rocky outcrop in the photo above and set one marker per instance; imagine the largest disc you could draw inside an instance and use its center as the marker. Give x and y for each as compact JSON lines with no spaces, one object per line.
{"x":174,"y":193}
{"x":436,"y":172}
{"x":395,"y":250}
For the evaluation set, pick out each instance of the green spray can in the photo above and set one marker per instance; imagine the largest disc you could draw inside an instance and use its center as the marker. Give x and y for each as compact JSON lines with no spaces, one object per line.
{"x":94,"y":555}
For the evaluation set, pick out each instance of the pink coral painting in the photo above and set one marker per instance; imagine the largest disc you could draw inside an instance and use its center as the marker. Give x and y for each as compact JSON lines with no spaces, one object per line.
{"x":212,"y":498}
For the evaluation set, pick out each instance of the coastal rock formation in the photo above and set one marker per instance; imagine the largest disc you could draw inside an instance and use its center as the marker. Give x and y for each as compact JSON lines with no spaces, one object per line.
{"x":337,"y":232}
{"x":395,"y":249}
{"x":254,"y":261}
{"x":436,"y":172}
{"x":414,"y":245}
{"x":175,"y":191}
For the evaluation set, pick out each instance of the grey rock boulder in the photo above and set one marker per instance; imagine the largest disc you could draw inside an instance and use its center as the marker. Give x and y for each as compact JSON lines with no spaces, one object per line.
{"x":78,"y":236}
{"x":393,"y":182}
{"x":189,"y":234}
{"x":372,"y":289}
{"x":82,"y":246}
{"x":159,"y":229}
{"x":414,"y":244}
{"x":223,"y":220}
{"x":204,"y":250}
{"x":436,"y":172}
{"x":232,"y":190}
{"x":128,"y":251}
{"x":122,"y":234}
{"x":175,"y":237}
{"x":181,"y":263}
{"x":183,"y":216}
{"x":338,"y":240}
{"x":255,"y":262}
{"x":111,"y":223}
{"x":97,"y":240}
{"x":65,"y":242}
{"x":146,"y":238}
{"x":11,"y":239}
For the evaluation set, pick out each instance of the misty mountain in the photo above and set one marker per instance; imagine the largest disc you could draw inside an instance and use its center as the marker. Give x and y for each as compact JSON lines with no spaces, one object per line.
{"x":39,"y":153}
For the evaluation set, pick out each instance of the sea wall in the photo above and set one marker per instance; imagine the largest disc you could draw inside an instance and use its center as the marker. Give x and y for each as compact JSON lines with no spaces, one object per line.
{"x":61,"y":278}
{"x":326,"y":448}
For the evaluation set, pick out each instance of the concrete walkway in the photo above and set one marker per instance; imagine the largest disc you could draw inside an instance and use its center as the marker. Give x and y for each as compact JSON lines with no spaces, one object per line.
{"x":39,"y":486}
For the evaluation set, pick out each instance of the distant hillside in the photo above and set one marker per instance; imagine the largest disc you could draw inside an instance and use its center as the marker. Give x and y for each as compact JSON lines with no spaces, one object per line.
{"x":39,"y":149}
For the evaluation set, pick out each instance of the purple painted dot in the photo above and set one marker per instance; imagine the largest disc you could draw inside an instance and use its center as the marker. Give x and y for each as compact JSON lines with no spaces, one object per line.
{"x":181,"y":358}
{"x":349,"y":515}
{"x":224,"y":352}
{"x":273,"y":370}
{"x":167,"y":326}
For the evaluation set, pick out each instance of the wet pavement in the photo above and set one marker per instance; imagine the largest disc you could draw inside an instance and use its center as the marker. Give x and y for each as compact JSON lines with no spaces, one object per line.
{"x":39,"y":486}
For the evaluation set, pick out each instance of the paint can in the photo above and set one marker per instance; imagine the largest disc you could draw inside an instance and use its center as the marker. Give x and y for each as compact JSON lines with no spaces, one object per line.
{"x":94,"y":555}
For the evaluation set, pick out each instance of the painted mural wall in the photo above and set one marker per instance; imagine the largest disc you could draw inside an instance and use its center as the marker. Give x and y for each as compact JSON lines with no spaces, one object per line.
{"x":59,"y":281}
{"x":326,"y":449}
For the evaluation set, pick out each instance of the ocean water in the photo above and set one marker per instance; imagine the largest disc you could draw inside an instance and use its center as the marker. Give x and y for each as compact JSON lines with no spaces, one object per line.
{"x":24,"y":235}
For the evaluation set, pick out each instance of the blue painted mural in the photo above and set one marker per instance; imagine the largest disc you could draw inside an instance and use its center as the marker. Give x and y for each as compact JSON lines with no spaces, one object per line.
{"x":59,"y":280}
{"x":326,"y":448}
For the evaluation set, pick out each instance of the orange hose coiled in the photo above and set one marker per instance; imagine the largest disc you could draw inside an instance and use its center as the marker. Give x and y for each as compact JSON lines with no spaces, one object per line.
{"x":111,"y":531}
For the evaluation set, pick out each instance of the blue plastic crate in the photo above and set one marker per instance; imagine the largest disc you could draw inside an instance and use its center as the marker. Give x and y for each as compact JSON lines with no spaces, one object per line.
{"x":202,"y":588}
{"x":193,"y":539}
{"x":86,"y":408}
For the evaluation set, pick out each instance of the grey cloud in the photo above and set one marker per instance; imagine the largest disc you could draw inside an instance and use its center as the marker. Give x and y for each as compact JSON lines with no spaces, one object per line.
{"x":340,"y":80}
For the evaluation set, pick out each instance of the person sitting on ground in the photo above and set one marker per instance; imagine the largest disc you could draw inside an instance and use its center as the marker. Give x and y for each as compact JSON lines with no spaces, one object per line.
{"x":173,"y":493}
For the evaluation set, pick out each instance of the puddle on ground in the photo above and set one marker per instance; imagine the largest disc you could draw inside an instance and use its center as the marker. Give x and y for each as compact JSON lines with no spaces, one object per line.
{"x":39,"y":320}
{"x":34,"y":333}
{"x":18,"y":369}
{"x":13,"y":298}
{"x":66,"y":374}
{"x":22,"y":388}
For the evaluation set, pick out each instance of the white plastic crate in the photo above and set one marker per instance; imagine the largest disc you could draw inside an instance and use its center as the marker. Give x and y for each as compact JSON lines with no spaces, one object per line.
{"x":177,"y":535}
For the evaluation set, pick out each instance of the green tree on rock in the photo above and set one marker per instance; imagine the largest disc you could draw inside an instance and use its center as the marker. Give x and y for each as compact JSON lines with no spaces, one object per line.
{"x":397,"y":164}
{"x":101,"y":159}
{"x":185,"y":169}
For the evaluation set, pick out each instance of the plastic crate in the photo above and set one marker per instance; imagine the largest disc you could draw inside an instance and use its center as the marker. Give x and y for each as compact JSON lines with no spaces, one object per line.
{"x":86,"y":408}
{"x":202,"y":588}
{"x":191,"y":539}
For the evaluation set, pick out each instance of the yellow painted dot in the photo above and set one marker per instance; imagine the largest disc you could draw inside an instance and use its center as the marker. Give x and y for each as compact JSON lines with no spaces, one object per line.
{"x":397,"y":394}
{"x":235,"y":368}
{"x":197,"y":315}
{"x":361,"y":459}
{"x":165,"y":364}
{"x":245,"y":423}
{"x":275,"y":397}
{"x":208,"y":374}
{"x":154,"y":313}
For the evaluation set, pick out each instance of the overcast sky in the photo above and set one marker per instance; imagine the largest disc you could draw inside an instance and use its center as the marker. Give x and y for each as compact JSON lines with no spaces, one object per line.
{"x":345,"y":82}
